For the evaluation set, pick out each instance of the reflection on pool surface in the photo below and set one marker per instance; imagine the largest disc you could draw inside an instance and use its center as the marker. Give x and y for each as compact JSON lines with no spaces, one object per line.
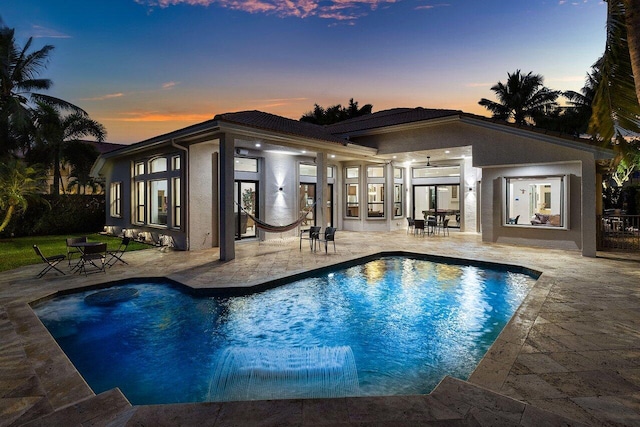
{"x":408,"y":323}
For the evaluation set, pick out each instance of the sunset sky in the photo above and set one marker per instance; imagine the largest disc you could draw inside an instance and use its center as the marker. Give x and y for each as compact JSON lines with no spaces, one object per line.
{"x":147,"y":67}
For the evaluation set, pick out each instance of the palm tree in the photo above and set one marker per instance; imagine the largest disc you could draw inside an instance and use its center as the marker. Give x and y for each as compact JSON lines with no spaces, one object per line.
{"x":20,"y":185}
{"x":54,"y":132}
{"x":632,"y":24}
{"x":19,"y":69}
{"x":80,"y":155}
{"x":521,"y":99}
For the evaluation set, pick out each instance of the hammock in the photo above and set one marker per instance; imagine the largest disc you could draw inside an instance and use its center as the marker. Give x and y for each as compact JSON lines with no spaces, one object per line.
{"x":278,"y":228}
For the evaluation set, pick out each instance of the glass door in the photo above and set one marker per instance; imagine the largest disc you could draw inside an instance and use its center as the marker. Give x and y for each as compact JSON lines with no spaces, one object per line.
{"x":328,"y":216}
{"x":442,"y":201}
{"x":307,"y":197}
{"x":246,"y":195}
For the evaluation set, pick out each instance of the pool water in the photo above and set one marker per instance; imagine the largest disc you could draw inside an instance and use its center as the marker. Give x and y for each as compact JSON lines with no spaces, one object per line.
{"x":408,"y":322}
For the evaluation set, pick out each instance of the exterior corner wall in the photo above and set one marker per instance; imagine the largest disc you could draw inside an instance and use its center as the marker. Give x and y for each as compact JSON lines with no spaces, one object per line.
{"x":200,"y":198}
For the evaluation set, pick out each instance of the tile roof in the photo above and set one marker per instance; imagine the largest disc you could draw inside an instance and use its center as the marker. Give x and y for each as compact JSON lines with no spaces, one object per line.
{"x":271,"y":122}
{"x":395,"y":116}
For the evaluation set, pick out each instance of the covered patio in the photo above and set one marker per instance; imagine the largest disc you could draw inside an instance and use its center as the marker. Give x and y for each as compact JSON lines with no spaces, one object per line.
{"x":571,"y":351}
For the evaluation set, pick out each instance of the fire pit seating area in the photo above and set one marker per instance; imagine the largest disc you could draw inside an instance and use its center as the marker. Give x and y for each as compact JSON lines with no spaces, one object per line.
{"x":552,"y":220}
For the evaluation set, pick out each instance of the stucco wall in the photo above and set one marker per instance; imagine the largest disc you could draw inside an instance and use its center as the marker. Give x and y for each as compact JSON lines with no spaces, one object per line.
{"x":201,"y":201}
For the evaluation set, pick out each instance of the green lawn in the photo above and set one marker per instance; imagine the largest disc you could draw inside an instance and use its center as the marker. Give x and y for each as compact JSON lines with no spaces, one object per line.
{"x":17,"y":252}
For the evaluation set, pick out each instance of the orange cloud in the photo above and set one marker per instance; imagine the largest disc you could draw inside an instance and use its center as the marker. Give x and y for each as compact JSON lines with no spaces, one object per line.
{"x":156,"y":116}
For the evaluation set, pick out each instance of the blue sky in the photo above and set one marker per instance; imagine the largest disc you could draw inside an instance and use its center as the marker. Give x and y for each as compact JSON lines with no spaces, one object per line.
{"x":146,"y":67}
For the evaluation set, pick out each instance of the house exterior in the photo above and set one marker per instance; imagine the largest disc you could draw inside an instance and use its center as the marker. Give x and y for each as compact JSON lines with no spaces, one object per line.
{"x":511,"y":184}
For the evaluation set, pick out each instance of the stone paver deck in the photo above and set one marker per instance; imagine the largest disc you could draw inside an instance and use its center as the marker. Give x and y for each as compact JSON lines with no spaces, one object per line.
{"x":569,"y":356}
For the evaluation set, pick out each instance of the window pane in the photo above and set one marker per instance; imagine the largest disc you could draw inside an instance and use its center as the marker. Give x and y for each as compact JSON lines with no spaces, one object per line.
{"x":308,"y":170}
{"x":158,"y":165}
{"x":375,"y":171}
{"x":375,"y":200}
{"x":329,"y":171}
{"x":158,"y":202}
{"x":246,"y":164}
{"x":353,"y":205}
{"x":428,"y":172}
{"x":536,"y":201}
{"x":115,"y":199}
{"x":397,"y":173}
{"x":176,"y":163}
{"x":176,"y":202}
{"x":138,"y":169}
{"x":397,"y":200}
{"x":140,"y":205}
{"x":352,"y":172}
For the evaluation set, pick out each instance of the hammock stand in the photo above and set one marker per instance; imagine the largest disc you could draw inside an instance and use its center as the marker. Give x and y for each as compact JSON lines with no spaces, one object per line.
{"x":269,"y":228}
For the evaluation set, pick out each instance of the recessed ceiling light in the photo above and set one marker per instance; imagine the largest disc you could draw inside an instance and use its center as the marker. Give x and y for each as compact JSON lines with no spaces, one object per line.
{"x":304,"y":151}
{"x":258,"y":144}
{"x":395,"y":157}
{"x":333,"y":156}
{"x":447,"y":152}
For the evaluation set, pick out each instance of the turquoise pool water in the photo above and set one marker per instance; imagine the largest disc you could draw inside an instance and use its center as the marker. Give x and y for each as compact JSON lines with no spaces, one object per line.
{"x":408,"y":322}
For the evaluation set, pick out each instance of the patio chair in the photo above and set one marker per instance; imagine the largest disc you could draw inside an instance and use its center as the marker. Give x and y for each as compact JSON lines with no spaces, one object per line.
{"x":418,"y":227}
{"x":444,"y":227}
{"x":410,"y":225}
{"x":313,"y":235}
{"x":51,"y":261}
{"x":432,"y":224}
{"x":71,"y":250}
{"x":116,"y":255}
{"x":329,"y":236}
{"x":94,"y":256}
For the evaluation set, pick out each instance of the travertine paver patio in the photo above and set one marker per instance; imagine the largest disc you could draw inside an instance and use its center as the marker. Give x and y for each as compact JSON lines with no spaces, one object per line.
{"x":570,"y":355}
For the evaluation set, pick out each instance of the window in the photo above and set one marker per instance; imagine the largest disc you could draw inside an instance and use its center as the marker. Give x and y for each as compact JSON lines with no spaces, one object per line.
{"x":434,"y":171}
{"x":308,"y":170}
{"x":176,"y":202}
{"x":397,"y":200}
{"x":375,"y":172}
{"x":375,"y":201}
{"x":397,"y":173}
{"x":353,"y":206}
{"x":329,"y":171}
{"x":115,"y":195}
{"x":140,"y":205}
{"x":246,"y":164}
{"x":536,"y":201}
{"x":158,"y":195}
{"x":352,"y":172}
{"x":158,"y":164}
{"x":156,"y":191}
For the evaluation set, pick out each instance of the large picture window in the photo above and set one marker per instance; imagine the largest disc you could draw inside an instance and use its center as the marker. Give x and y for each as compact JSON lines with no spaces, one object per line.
{"x":536,"y":201}
{"x":156,"y":192}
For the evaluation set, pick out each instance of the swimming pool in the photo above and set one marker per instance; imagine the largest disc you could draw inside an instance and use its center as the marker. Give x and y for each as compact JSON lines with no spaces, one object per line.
{"x":408,"y":322}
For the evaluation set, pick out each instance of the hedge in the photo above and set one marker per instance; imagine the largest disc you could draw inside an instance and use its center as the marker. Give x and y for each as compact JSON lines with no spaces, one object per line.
{"x":65,"y":214}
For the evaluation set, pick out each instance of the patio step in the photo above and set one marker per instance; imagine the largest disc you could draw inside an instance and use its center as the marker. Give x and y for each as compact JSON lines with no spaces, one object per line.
{"x":487,"y":408}
{"x":100,"y":410}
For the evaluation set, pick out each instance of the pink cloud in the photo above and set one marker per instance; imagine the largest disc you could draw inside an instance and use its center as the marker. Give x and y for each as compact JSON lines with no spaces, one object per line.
{"x":286,"y":8}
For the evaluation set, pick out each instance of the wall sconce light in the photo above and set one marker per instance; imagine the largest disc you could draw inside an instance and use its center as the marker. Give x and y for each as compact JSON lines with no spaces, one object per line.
{"x":470,"y":189}
{"x":280,"y":189}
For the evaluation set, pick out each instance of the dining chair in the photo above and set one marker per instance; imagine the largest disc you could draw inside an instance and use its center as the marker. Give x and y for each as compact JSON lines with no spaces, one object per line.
{"x":51,"y":261}
{"x":418,"y":227}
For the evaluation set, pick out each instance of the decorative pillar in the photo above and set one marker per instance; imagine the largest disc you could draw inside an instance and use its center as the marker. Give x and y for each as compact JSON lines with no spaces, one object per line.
{"x":321,"y":188}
